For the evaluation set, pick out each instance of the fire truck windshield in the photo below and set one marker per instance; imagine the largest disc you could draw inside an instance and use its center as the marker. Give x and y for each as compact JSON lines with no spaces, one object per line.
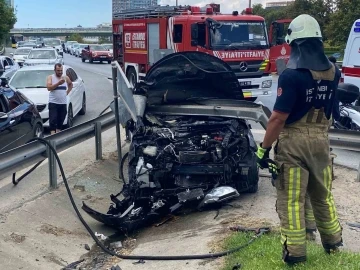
{"x":239,"y":35}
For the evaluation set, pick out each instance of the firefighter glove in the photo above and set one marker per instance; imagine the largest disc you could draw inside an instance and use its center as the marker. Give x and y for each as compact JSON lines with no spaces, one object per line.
{"x":273,"y":170}
{"x":262,"y":155}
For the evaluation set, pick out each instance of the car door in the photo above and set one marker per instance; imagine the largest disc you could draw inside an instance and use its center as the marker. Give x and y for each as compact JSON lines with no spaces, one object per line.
{"x":22,"y":117}
{"x":12,"y":65}
{"x":9,"y":133}
{"x":74,"y":94}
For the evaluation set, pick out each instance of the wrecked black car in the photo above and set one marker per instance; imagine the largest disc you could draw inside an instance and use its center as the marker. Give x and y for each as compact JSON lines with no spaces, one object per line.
{"x":191,"y":142}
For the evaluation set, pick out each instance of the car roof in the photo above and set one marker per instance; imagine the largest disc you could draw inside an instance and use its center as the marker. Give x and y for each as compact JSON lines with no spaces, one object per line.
{"x":41,"y":67}
{"x":24,"y":48}
{"x":44,"y":49}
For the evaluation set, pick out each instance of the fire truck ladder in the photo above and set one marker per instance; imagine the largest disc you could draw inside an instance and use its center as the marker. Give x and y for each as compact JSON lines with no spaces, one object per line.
{"x":151,"y":12}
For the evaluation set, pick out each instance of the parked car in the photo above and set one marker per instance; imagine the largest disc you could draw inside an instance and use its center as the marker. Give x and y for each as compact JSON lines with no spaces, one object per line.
{"x":78,"y":50}
{"x":29,"y":44}
{"x":19,"y":55}
{"x":19,"y":119}
{"x":43,"y":56}
{"x":68,"y":44}
{"x":20,"y":44}
{"x":31,"y":81}
{"x":73,"y":47}
{"x":54,"y":43}
{"x":96,"y":53}
{"x":109,"y":47}
{"x":7,"y":67}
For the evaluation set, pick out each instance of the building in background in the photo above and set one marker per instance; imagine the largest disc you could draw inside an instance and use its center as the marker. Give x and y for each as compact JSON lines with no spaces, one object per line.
{"x":10,"y":3}
{"x":278,"y":4}
{"x":119,"y":5}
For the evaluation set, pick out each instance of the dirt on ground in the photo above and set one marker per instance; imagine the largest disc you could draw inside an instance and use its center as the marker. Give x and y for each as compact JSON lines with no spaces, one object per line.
{"x":204,"y":232}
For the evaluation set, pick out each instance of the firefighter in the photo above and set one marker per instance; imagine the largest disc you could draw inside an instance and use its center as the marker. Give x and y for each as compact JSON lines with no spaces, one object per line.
{"x":300,"y":122}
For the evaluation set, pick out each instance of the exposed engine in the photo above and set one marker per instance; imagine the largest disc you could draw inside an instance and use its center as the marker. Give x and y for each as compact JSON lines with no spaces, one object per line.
{"x":177,"y":161}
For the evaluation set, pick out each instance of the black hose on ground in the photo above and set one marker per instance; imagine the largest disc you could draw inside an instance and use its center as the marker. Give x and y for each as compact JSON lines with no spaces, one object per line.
{"x":136,"y":257}
{"x":15,"y":182}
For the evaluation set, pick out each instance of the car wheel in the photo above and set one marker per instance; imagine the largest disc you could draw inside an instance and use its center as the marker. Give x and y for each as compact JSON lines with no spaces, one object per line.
{"x":91,"y":60}
{"x":131,"y":76}
{"x":38,"y":131}
{"x":83,"y":107}
{"x":83,"y":60}
{"x":109,"y":62}
{"x":70,"y":117}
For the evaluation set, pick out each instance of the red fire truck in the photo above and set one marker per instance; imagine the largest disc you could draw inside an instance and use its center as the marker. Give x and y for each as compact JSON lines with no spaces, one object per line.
{"x":279,"y":49}
{"x":143,"y":36}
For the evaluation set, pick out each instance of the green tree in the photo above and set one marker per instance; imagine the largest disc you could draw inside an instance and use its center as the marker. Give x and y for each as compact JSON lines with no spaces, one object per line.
{"x":341,"y":21}
{"x":76,"y":37}
{"x":103,"y":40}
{"x":8,"y":20}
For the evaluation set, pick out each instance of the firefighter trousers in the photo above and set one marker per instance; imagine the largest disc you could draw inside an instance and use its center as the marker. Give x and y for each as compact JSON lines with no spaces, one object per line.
{"x":303,"y":157}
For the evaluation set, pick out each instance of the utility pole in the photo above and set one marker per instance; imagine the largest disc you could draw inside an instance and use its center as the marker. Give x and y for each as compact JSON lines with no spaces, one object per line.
{"x":176,"y":2}
{"x":249,"y":3}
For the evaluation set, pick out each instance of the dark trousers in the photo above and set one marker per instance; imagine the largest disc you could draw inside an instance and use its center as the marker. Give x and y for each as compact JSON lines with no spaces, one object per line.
{"x":57,"y":114}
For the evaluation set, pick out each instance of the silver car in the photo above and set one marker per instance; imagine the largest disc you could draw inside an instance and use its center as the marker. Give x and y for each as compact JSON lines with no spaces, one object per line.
{"x":43,"y":56}
{"x":73,"y":48}
{"x":79,"y":49}
{"x":20,"y":54}
{"x":54,"y":43}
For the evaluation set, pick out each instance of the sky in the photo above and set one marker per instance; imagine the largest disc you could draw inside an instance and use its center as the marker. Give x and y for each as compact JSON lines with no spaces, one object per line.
{"x":90,"y":13}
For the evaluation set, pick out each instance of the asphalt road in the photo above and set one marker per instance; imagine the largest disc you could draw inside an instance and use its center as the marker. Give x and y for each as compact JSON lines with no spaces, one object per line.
{"x":99,"y":96}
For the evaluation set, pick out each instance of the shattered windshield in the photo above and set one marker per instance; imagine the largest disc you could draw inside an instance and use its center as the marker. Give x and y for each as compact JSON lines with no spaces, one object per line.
{"x":243,"y":35}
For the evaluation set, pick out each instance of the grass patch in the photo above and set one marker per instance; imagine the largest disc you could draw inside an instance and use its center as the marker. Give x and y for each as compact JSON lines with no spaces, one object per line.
{"x":265,"y":254}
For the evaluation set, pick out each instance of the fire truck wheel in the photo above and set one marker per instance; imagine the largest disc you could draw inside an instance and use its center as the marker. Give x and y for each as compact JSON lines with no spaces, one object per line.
{"x":131,"y":76}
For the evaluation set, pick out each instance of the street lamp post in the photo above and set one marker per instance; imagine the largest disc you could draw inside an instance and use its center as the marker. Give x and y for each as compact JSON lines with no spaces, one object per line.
{"x":249,"y":3}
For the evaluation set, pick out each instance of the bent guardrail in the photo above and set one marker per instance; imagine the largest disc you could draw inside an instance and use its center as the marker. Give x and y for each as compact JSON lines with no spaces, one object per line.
{"x":29,"y":154}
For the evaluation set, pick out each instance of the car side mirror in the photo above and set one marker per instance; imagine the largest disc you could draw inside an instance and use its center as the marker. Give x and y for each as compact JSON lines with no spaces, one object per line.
{"x":11,"y":54}
{"x":7,"y":67}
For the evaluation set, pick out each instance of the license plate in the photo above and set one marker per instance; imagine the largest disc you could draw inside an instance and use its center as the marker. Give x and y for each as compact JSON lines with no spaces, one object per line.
{"x":245,"y":83}
{"x":103,"y":56}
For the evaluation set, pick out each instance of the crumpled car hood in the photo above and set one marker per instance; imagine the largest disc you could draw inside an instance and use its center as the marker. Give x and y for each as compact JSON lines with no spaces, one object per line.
{"x":187,"y":76}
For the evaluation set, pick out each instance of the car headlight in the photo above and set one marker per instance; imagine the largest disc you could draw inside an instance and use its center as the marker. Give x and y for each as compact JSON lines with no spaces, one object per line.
{"x":266,"y":84}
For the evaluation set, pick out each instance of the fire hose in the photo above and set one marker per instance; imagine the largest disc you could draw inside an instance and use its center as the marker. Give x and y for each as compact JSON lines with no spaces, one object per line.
{"x":258,"y":232}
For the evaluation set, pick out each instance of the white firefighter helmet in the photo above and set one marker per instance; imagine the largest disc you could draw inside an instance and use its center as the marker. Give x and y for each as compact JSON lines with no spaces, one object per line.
{"x":303,"y":26}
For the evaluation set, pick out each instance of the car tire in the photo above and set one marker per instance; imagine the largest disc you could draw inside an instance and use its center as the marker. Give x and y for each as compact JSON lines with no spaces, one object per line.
{"x":91,"y":61}
{"x":70,"y":117}
{"x":109,"y":62}
{"x":38,"y":131}
{"x":83,"y":60}
{"x":83,"y":107}
{"x":131,"y":76}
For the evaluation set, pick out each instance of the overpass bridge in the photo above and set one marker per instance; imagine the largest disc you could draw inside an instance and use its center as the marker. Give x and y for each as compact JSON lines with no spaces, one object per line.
{"x":44,"y":32}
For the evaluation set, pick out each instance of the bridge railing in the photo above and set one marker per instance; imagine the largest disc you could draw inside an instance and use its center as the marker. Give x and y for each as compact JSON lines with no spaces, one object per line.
{"x":60,"y":30}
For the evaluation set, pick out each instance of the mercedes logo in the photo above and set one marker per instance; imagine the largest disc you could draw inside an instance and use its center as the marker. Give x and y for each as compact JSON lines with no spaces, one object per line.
{"x":243,"y":66}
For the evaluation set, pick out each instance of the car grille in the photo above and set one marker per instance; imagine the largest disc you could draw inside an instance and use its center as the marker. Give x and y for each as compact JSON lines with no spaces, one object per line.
{"x":40,"y":107}
{"x":254,"y":69}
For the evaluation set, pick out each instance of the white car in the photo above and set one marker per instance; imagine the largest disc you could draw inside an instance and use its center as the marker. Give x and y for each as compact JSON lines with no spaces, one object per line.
{"x":20,"y":54}
{"x":54,"y":43}
{"x":67,"y":45}
{"x":79,"y":49}
{"x":43,"y":56}
{"x":31,"y":81}
{"x":73,"y":48}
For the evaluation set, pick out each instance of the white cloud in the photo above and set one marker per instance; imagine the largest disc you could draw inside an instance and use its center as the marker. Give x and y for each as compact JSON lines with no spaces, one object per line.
{"x":226,"y":6}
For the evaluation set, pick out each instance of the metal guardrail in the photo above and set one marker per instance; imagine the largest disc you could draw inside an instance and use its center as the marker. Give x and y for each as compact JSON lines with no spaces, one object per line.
{"x":31,"y":153}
